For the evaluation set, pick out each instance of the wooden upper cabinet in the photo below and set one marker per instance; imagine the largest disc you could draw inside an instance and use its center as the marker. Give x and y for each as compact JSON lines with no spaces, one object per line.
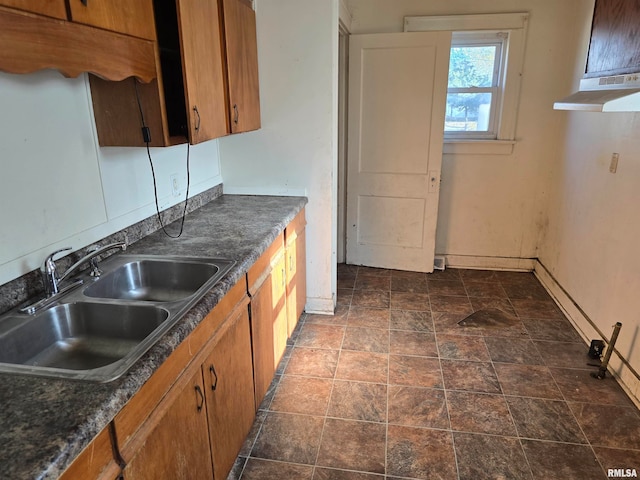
{"x":242,"y":65}
{"x":50,"y":8}
{"x":202,"y":69}
{"x":615,"y":38}
{"x":207,"y":78}
{"x":131,"y":17}
{"x":35,"y":42}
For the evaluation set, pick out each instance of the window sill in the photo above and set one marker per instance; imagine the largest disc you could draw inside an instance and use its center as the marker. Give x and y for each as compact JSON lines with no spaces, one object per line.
{"x":478,"y":147}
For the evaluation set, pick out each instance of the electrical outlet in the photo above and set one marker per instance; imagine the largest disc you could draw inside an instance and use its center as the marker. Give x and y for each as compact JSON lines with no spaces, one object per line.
{"x":613,"y":166}
{"x":175,"y":185}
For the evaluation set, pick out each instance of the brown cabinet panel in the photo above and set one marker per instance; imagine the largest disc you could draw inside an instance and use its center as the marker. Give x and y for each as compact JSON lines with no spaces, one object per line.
{"x":31,"y":43}
{"x":242,"y":65}
{"x":228,"y":374}
{"x":279,"y":308}
{"x":123,"y":16}
{"x":262,"y":341}
{"x":174,"y":441}
{"x":296,"y":270}
{"x":268,"y":317}
{"x":113,"y":103}
{"x":50,"y":8}
{"x":202,"y":69}
{"x":95,"y":461}
{"x":615,"y":38}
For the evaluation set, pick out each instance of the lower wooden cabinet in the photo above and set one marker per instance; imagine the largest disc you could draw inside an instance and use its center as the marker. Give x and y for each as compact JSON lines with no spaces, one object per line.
{"x":198,"y":428}
{"x":228,"y":377}
{"x":174,"y":442}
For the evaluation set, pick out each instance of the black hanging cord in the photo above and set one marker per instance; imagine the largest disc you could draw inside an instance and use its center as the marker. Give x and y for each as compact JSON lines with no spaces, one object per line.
{"x":146,"y":135}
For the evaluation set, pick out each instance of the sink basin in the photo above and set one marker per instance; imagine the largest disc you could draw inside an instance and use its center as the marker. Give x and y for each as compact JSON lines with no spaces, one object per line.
{"x":80,"y":337}
{"x":98,"y":332}
{"x":155,"y":280}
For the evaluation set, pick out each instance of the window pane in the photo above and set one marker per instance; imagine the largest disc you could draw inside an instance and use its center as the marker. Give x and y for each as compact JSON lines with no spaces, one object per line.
{"x":467,"y":112}
{"x":472,"y":66}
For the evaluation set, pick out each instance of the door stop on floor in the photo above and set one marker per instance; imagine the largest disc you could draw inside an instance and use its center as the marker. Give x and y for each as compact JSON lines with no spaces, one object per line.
{"x":602,"y":370}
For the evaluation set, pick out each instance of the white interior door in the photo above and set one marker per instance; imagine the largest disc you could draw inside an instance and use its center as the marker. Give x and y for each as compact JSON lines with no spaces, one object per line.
{"x":397,"y":98}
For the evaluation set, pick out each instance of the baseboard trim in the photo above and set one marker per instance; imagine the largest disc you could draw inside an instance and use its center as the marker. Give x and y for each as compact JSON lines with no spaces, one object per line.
{"x":322,"y":306}
{"x":627,"y":377}
{"x":489,"y":263}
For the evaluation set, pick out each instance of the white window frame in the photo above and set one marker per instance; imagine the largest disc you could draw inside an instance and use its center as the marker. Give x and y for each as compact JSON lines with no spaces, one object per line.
{"x":499,"y":40}
{"x":514,"y":27}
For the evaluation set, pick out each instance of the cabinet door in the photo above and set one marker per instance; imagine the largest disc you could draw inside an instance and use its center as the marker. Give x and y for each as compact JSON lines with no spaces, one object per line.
{"x":279,"y":308}
{"x":615,"y":38}
{"x":50,"y":8}
{"x":202,"y":69}
{"x":296,"y":277}
{"x":228,"y":374}
{"x":133,"y":18}
{"x":242,"y":65}
{"x":264,"y":363}
{"x":174,"y":441}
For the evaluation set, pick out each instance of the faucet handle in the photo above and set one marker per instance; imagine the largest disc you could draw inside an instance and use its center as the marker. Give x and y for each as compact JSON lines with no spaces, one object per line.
{"x":49,"y":265}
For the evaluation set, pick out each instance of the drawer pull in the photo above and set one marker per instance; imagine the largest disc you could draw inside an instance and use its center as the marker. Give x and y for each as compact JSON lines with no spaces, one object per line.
{"x":201,"y":397}
{"x":214,"y":384}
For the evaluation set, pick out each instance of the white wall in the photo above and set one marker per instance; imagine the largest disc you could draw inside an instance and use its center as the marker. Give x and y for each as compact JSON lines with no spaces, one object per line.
{"x":59,"y":188}
{"x":590,"y":243}
{"x":295,"y":151}
{"x":492,"y":206}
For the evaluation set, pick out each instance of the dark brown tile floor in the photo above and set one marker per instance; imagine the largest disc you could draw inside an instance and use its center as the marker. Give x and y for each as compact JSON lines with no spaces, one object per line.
{"x":392,"y":387}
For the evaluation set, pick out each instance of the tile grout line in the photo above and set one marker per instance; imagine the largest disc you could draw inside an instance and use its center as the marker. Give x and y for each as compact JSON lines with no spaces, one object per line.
{"x":386,"y":429}
{"x":504,"y":397}
{"x":444,"y":389}
{"x":564,"y":398}
{"x":333,"y":382}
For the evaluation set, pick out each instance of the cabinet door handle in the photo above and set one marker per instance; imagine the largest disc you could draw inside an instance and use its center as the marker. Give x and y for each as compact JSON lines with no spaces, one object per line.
{"x":236,"y":114}
{"x":195,"y":110}
{"x":214,"y":384}
{"x":84,"y":2}
{"x":200,"y":397}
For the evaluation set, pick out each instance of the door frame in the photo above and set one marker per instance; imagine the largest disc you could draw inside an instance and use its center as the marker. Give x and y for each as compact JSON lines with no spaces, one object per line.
{"x":343,"y":102}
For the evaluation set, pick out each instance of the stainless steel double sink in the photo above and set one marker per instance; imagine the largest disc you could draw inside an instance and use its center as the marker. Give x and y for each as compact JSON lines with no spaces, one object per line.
{"x":98,"y":330}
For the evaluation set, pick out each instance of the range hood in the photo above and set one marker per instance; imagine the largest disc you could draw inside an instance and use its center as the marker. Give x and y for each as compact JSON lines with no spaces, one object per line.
{"x":618,"y":93}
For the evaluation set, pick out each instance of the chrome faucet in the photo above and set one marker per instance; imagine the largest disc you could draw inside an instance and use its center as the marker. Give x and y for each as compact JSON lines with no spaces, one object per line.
{"x":50,"y":278}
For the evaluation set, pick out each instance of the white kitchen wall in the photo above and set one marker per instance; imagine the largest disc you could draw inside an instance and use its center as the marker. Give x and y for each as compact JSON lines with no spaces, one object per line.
{"x":492,"y":206}
{"x":59,"y":188}
{"x":590,"y":243}
{"x":295,"y":151}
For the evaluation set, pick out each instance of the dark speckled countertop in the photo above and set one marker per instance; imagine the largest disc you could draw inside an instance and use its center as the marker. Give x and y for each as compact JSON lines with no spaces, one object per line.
{"x":45,"y":423}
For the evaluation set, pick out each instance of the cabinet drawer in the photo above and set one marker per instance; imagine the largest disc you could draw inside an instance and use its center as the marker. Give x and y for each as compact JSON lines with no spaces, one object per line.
{"x":133,"y":18}
{"x":50,"y":8}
